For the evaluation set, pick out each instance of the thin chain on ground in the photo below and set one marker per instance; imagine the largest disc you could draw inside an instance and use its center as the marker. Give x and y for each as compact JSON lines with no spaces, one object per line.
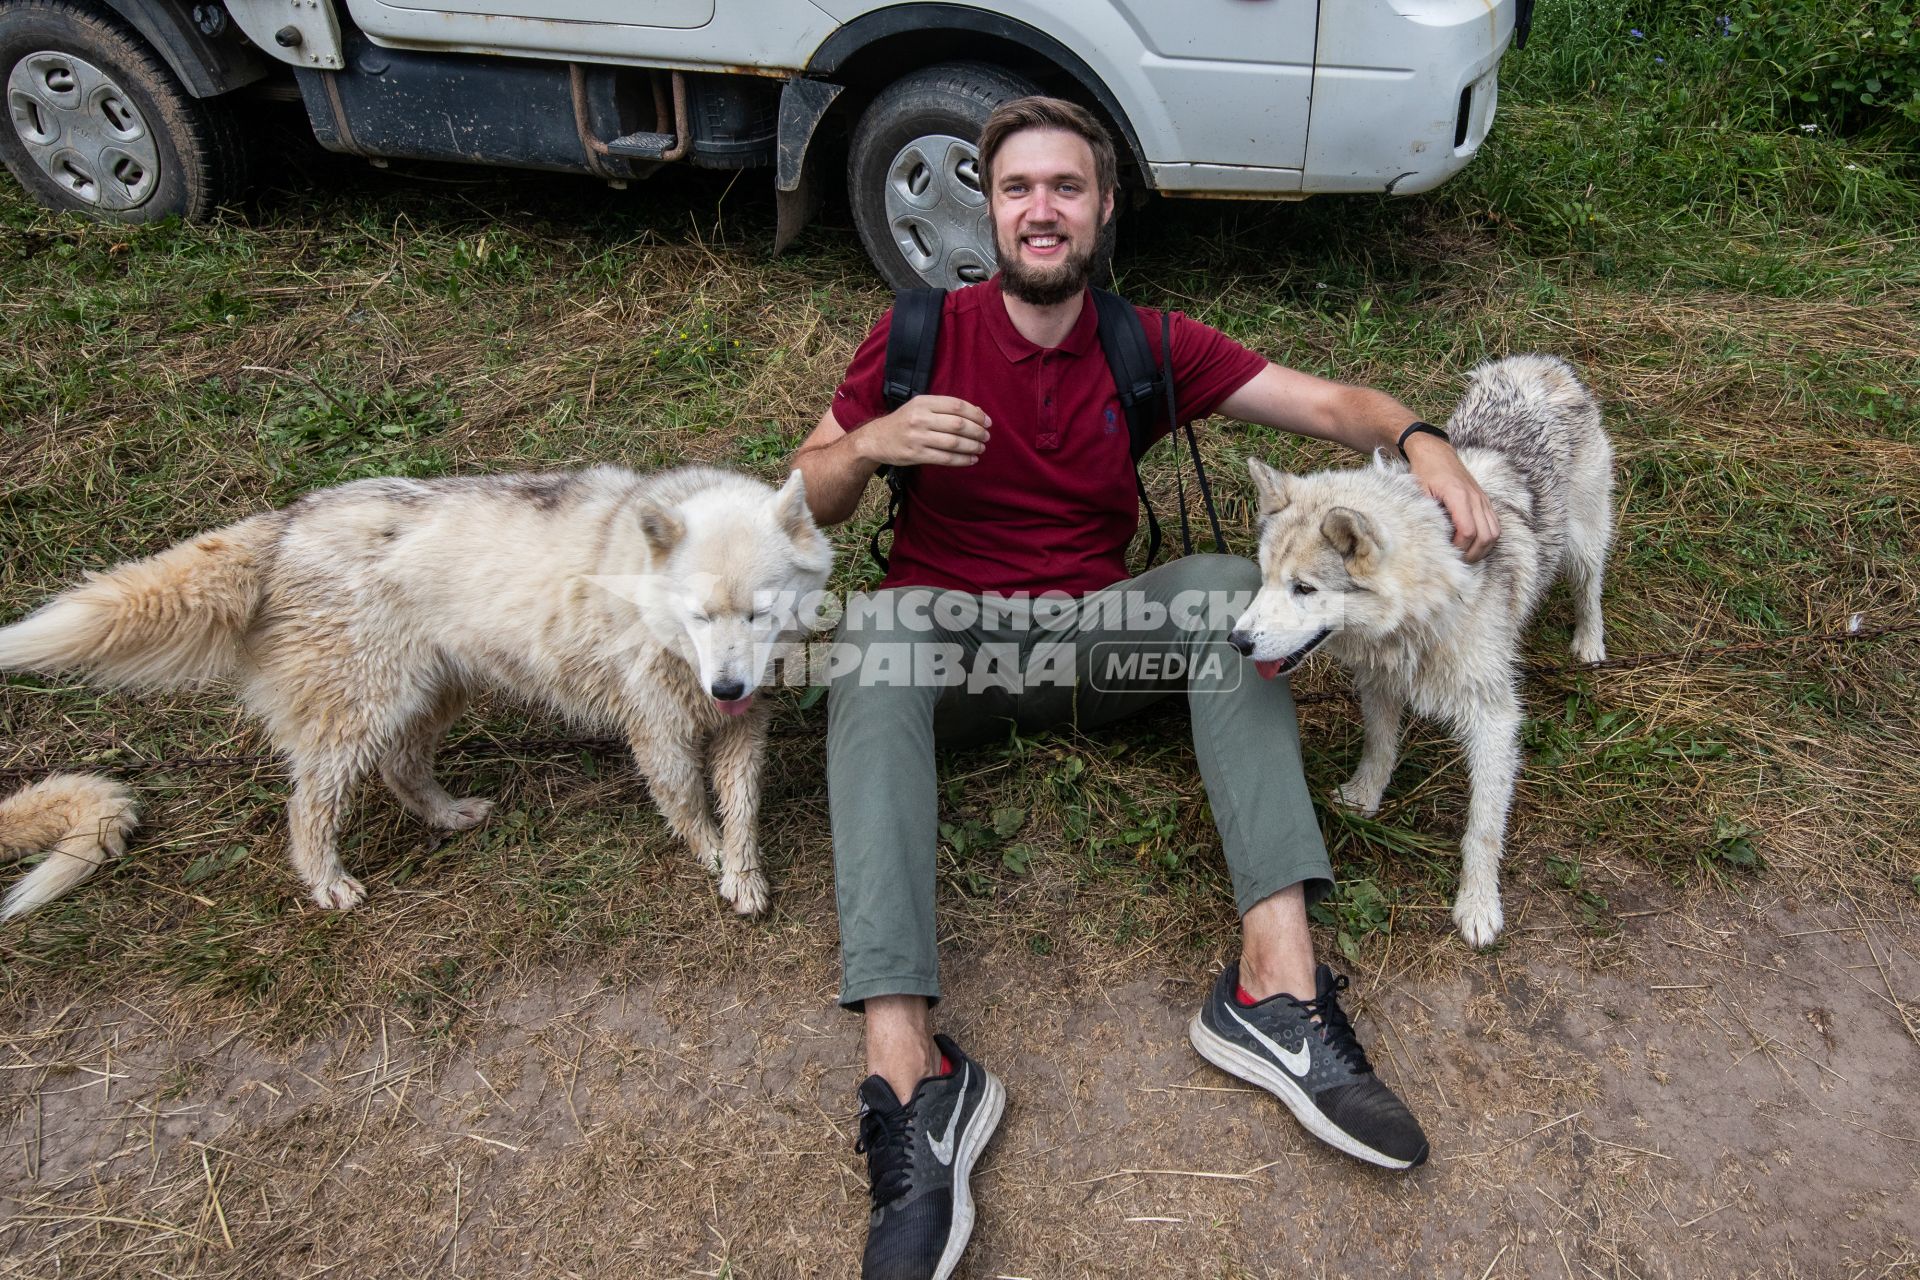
{"x":1691,"y":658}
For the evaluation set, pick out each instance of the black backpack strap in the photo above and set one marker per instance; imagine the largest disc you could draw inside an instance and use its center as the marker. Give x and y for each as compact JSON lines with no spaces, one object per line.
{"x":911,"y":339}
{"x":1193,"y":445}
{"x":1123,"y":339}
{"x":896,"y":497}
{"x":1153,"y":525}
{"x":912,"y":336}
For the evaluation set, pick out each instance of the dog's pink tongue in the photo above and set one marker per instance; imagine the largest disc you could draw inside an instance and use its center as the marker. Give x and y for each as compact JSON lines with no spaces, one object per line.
{"x":1270,"y":668}
{"x":738,"y":707}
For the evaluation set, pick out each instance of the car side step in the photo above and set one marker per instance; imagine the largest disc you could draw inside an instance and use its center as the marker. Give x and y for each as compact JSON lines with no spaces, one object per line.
{"x":646,"y":144}
{"x":642,"y":146}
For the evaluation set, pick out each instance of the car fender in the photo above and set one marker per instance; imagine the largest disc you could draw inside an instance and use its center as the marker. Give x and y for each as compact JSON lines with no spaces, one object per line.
{"x":902,"y":19}
{"x":208,"y":63}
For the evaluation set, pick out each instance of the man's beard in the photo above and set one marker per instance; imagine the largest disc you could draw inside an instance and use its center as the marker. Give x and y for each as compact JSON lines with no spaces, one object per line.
{"x":1047,"y":286}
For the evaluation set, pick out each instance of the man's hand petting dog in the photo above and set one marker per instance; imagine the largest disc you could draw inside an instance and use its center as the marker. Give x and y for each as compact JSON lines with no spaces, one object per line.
{"x":939,"y":430}
{"x":1440,"y":472}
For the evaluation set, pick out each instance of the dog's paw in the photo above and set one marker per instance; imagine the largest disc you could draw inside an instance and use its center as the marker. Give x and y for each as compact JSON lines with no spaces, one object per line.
{"x":746,"y":890}
{"x":462,"y":815}
{"x":1478,"y":914}
{"x":1589,"y":648}
{"x":1352,"y":795}
{"x":340,"y":893}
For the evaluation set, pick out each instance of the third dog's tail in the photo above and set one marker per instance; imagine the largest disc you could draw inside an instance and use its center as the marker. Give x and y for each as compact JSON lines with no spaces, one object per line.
{"x":81,"y":820}
{"x":173,"y":619}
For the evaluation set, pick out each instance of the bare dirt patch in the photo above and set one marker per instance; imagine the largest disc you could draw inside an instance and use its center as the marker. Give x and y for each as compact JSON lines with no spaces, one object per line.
{"x":1717,"y":1089}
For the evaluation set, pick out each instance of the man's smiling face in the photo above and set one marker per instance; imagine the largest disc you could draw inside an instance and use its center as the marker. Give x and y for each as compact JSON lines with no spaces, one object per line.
{"x":1047,"y":214}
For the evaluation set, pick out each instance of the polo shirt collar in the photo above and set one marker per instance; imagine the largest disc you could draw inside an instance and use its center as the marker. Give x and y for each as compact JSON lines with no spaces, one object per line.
{"x":1014,"y":345}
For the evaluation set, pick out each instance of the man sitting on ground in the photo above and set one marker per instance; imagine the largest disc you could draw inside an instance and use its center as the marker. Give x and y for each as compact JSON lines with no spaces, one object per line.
{"x":1023,"y":485}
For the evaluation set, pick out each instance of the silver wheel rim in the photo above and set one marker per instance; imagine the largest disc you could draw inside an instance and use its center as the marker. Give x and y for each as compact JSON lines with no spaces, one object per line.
{"x":83,"y":130}
{"x":937,"y":212}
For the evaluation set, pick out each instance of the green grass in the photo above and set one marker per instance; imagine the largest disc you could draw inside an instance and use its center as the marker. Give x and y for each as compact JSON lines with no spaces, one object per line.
{"x":1744,"y":297}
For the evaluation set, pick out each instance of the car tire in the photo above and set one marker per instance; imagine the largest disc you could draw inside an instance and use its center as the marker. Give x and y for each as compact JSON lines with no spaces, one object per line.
{"x":97,"y":123}
{"x":912,"y":174}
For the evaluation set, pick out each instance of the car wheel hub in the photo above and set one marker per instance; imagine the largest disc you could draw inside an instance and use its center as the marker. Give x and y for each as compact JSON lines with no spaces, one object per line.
{"x":937,"y":212}
{"x":83,"y":130}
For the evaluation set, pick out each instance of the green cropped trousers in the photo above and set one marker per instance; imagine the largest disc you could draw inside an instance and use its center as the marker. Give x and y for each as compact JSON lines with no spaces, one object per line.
{"x":916,"y":667}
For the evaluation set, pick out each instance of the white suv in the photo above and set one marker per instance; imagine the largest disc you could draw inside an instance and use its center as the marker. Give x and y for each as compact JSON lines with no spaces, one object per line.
{"x":135,"y":109}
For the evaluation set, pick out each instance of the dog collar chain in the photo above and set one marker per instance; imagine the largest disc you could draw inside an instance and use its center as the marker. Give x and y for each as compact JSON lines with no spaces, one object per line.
{"x":1418,"y":428}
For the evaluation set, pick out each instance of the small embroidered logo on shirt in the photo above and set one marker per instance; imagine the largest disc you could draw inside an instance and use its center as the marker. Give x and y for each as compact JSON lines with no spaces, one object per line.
{"x":1111,"y":427}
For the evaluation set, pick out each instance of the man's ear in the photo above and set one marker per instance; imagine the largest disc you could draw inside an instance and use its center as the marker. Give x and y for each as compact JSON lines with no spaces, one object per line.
{"x":1275,"y":488}
{"x":662,"y":530}
{"x":1358,"y":540}
{"x":1106,"y":209}
{"x":791,"y":510}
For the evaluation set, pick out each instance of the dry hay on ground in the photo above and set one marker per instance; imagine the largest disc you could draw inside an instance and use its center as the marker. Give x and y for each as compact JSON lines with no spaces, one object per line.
{"x":540,"y":1048}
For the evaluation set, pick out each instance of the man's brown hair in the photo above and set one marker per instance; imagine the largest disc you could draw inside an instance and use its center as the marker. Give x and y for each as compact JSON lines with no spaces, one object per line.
{"x":1022,"y":114}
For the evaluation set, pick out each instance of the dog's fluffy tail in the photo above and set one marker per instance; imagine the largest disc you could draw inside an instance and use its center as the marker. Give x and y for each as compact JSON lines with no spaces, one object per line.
{"x":175,"y":618}
{"x":80,"y":819}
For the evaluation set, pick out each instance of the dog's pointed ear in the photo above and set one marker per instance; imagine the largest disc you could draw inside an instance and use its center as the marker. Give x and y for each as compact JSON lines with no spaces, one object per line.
{"x":791,"y":510}
{"x":662,"y":530}
{"x":1274,"y":487}
{"x":1358,"y":540}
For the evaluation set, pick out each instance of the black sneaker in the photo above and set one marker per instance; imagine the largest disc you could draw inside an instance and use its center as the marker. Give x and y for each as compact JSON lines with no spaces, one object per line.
{"x":918,"y":1158}
{"x":1317,"y":1068}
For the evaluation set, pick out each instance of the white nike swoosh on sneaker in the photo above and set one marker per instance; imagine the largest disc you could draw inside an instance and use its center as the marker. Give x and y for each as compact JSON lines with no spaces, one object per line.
{"x":943,"y":1147}
{"x":1298,"y":1061}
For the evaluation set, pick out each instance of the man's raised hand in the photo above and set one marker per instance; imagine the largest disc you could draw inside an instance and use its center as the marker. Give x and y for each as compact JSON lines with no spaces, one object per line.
{"x":1441,"y":473}
{"x":939,"y":431}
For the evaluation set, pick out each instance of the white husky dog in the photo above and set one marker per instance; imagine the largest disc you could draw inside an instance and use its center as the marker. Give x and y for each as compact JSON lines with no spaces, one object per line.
{"x":357,"y":623}
{"x":1363,"y":562}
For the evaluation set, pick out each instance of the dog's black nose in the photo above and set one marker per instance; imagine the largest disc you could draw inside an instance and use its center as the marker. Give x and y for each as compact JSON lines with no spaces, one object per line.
{"x":1243,"y":642}
{"x":729,"y":690}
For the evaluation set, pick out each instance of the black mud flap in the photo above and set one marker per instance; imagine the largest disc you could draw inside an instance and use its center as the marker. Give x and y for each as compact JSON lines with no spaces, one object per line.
{"x":803,"y":104}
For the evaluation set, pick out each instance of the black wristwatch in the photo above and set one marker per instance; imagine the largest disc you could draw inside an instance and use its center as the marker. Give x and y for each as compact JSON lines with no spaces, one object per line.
{"x":1418,"y":428}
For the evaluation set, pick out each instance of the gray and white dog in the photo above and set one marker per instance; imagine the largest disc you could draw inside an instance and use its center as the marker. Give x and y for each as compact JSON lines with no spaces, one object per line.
{"x":1362,"y":561}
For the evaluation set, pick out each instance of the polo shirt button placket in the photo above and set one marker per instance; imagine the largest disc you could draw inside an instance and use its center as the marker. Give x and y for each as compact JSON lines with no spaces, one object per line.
{"x":1048,"y":437}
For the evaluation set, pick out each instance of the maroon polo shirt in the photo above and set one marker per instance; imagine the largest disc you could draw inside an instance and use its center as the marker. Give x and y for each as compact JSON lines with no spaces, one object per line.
{"x":1051,"y":504}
